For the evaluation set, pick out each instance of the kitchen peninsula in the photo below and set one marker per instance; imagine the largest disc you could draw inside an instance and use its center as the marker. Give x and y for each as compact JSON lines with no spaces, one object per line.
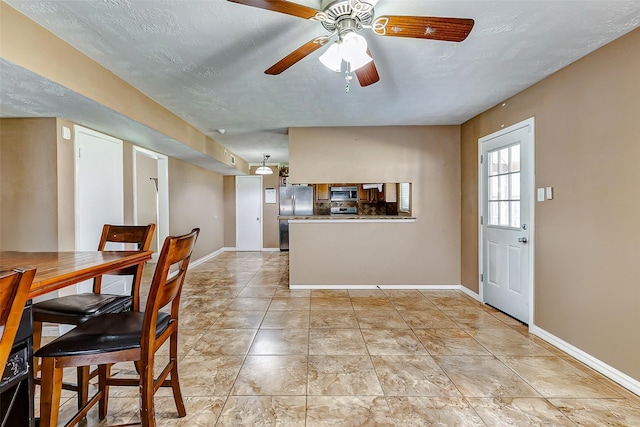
{"x":344,"y":243}
{"x":334,"y":252}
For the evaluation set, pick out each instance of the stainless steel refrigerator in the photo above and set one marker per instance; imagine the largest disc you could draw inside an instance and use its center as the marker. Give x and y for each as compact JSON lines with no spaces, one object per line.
{"x":294,"y":201}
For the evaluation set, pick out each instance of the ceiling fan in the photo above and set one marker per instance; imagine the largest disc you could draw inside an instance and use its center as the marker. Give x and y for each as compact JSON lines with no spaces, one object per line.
{"x":345,"y":19}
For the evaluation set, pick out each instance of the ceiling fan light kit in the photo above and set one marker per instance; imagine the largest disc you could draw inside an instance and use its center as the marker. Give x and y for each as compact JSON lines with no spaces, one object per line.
{"x":345,"y":19}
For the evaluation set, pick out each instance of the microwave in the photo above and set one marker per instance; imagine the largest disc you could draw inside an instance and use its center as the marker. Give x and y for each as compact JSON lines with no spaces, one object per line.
{"x":344,"y":194}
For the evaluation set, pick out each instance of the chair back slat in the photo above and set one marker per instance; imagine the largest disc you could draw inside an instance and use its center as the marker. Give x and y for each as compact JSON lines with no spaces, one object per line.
{"x":166,"y":285}
{"x":141,"y":235}
{"x":14,"y":289}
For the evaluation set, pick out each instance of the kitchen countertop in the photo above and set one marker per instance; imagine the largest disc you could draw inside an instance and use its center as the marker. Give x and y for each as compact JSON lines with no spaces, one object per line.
{"x":348,"y":218}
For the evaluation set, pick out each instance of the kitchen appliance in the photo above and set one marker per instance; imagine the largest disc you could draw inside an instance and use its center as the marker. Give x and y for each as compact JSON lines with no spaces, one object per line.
{"x":344,"y":210}
{"x":294,"y":201}
{"x":344,"y":194}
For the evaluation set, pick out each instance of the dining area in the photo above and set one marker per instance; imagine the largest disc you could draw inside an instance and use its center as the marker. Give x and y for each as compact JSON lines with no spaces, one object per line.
{"x":107,"y":328}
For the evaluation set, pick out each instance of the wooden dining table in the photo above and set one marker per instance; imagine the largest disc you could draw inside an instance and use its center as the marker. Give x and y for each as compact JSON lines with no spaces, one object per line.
{"x":54,"y":271}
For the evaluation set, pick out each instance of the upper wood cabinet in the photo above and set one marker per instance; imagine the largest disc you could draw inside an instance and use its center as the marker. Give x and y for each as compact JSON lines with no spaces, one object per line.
{"x":370,"y":195}
{"x":322,"y":193}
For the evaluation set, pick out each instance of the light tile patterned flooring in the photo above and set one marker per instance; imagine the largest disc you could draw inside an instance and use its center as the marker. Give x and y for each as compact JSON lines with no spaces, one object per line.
{"x":255,"y":353}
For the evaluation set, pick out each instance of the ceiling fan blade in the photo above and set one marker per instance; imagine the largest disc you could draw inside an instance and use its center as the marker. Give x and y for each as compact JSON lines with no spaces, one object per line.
{"x":295,"y":56}
{"x":424,"y":27}
{"x":368,"y":74}
{"x":281,"y":6}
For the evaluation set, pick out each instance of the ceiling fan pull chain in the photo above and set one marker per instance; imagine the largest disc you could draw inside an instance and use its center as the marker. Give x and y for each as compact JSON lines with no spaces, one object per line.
{"x":347,"y":78}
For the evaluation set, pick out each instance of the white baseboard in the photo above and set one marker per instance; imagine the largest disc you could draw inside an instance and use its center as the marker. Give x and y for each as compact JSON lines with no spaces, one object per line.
{"x":608,"y":371}
{"x":206,"y":257}
{"x":383,"y":287}
{"x":50,"y":331}
{"x":470,"y":293}
{"x":270,"y":249}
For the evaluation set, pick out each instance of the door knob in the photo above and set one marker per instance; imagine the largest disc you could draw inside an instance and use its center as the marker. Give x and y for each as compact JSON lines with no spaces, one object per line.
{"x":523,"y":240}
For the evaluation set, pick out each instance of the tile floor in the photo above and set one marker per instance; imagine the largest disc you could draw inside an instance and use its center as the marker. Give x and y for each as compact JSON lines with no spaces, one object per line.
{"x":255,"y":353}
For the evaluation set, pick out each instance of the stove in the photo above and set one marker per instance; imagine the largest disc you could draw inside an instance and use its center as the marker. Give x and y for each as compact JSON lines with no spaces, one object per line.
{"x":344,"y":210}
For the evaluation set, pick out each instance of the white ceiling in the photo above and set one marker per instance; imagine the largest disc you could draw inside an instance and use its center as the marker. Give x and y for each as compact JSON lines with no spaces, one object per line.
{"x":205,"y":61}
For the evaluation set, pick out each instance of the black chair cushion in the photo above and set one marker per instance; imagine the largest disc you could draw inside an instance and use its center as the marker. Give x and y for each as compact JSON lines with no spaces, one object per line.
{"x":103,"y":334}
{"x":76,"y":309}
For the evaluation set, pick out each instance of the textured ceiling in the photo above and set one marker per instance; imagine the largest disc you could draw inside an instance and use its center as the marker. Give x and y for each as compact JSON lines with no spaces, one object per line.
{"x":205,"y":61}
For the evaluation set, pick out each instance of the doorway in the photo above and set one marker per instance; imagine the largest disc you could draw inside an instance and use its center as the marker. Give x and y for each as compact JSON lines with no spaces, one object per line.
{"x":151,"y":194}
{"x":506,"y":208}
{"x":249,"y":213}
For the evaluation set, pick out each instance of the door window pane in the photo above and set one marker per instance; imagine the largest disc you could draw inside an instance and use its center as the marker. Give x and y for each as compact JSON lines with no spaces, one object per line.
{"x":494,"y":189}
{"x":514,"y":161}
{"x":515,"y":186}
{"x":493,"y":163}
{"x":504,"y":160}
{"x":503,"y":187}
{"x":493,"y":213}
{"x":515,"y":214}
{"x":504,"y":214}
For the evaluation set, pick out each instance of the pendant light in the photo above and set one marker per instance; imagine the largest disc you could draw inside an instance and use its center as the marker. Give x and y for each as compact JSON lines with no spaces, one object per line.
{"x":264,"y":170}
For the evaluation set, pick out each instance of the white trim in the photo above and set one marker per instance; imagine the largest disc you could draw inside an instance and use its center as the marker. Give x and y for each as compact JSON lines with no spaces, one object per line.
{"x":206,"y":257}
{"x":470,"y":293}
{"x":608,"y":371}
{"x":270,"y":249}
{"x":229,"y":249}
{"x":51,"y":331}
{"x":530,"y":122}
{"x":384,"y":287}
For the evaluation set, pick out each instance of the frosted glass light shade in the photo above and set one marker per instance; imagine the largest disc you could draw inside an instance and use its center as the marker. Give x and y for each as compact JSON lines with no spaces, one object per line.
{"x":331,"y":58}
{"x":263,"y":170}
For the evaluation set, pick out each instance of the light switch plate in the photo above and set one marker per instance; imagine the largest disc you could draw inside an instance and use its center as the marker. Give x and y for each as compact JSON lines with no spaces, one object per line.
{"x":549,"y":193}
{"x":541,"y":194}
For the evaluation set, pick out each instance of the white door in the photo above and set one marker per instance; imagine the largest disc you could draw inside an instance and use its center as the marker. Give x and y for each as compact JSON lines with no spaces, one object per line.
{"x":506,"y":219}
{"x":249,"y":213}
{"x":99,"y":195}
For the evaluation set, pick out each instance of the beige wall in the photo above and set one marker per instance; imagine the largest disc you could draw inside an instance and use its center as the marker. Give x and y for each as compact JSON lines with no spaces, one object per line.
{"x":427,"y":156}
{"x":196,"y":200}
{"x":587,"y":239}
{"x":28,"y":184}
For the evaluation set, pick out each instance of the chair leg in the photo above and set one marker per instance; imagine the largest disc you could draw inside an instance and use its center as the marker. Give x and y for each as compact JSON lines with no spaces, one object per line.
{"x":175,"y":379}
{"x":147,"y":410}
{"x":104,"y":373}
{"x":50,"y":389}
{"x":83,"y":385}
{"x":37,"y":342}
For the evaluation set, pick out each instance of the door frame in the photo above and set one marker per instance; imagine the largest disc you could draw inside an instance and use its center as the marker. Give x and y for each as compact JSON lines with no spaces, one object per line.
{"x":260,"y":178}
{"x":162,"y":227}
{"x":530,"y":122}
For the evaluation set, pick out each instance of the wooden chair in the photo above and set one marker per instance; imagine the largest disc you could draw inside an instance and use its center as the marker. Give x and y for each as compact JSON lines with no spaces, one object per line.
{"x":120,"y":337}
{"x":14,"y":288}
{"x":76,"y":309}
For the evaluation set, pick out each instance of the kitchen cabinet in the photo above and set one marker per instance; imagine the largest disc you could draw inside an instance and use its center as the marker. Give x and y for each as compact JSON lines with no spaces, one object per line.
{"x":321,"y":193}
{"x":370,"y":195}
